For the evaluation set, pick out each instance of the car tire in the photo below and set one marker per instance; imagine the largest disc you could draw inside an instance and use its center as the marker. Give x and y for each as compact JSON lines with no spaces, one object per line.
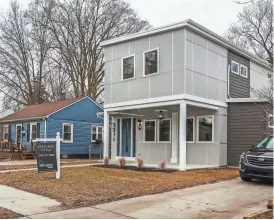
{"x":245,"y":178}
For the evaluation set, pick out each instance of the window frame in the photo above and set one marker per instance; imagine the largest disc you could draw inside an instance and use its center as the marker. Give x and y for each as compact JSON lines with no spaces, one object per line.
{"x":240,"y":73}
{"x":158,"y":62}
{"x":122,"y":67}
{"x":144,"y":131}
{"x":4,"y":127}
{"x":96,"y":132}
{"x":213,"y":128}
{"x":71,"y":140}
{"x":158,"y":131}
{"x":269,"y":116}
{"x":30,"y":130}
{"x":237,"y":73}
{"x":194,"y":133}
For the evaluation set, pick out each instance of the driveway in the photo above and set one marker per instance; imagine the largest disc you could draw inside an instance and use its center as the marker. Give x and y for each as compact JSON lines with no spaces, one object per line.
{"x":227,"y":199}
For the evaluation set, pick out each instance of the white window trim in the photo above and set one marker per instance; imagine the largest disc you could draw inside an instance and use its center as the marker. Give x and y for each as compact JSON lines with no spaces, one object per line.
{"x":269,"y":116}
{"x":194,"y":133}
{"x":234,"y":62}
{"x":122,"y":68}
{"x":144,"y":132}
{"x":5,"y":126}
{"x":18,"y":125}
{"x":66,"y":141}
{"x":158,"y":62}
{"x":158,"y":131}
{"x":213,"y":129}
{"x":30,"y":130}
{"x":246,"y":71}
{"x":97,"y":128}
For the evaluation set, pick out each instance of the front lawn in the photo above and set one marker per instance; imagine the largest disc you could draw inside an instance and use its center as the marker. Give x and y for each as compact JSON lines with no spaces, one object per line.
{"x":84,"y":186}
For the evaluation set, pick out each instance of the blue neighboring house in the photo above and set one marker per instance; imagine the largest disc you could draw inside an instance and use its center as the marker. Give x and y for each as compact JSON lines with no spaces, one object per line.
{"x":76,"y":119}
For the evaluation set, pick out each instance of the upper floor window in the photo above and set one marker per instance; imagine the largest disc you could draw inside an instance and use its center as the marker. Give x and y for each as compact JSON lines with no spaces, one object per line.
{"x":128,"y":67}
{"x":243,"y":71}
{"x":235,"y":67}
{"x":151,"y":61}
{"x":67,"y":132}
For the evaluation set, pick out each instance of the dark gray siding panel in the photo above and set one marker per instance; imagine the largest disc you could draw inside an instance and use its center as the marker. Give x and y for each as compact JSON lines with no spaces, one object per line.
{"x":239,"y":87}
{"x":246,"y":126}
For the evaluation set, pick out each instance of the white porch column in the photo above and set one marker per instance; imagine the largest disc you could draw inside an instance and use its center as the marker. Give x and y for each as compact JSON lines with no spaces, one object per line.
{"x":106,"y":132}
{"x":174,"y":138}
{"x":182,"y":136}
{"x":113,"y":137}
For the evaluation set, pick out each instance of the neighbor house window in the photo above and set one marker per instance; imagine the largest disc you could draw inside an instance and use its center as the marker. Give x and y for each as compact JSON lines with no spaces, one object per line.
{"x":67,"y":132}
{"x":164,"y":130}
{"x":205,"y":125}
{"x":6,"y":132}
{"x":128,"y":67}
{"x":151,"y":62}
{"x":235,"y":67}
{"x":33,"y":131}
{"x":243,"y":71}
{"x":150,"y":131}
{"x":190,"y":129}
{"x":271,"y":121}
{"x":97,"y":133}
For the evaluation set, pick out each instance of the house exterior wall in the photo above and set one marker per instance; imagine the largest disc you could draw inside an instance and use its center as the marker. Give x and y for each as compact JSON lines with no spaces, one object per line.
{"x":246,"y":126}
{"x":239,"y":87}
{"x":258,"y":78}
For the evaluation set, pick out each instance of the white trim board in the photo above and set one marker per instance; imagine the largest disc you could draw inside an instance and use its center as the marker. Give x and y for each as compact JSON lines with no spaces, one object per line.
{"x":247,"y":100}
{"x":194,"y":27}
{"x":164,"y":101}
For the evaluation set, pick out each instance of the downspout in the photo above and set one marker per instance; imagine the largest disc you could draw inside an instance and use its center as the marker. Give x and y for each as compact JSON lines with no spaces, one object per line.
{"x":228,"y":70}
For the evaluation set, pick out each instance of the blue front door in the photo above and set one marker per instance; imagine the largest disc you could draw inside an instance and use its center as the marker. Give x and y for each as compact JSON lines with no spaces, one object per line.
{"x":126,"y":137}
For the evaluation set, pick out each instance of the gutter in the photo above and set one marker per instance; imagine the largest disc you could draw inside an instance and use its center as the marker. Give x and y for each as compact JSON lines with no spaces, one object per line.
{"x":21,"y":119}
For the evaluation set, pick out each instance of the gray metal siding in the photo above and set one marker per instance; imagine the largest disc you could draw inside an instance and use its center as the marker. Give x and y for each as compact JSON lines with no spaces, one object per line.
{"x":246,"y":126}
{"x":239,"y":87}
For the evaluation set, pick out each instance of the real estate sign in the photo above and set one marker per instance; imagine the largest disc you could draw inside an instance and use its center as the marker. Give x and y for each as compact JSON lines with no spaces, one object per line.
{"x":46,"y":157}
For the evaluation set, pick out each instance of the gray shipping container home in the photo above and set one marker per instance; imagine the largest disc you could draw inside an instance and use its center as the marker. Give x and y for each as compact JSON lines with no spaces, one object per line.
{"x":167,"y":93}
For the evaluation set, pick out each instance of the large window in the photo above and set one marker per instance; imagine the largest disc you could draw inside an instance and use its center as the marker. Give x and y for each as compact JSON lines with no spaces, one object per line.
{"x":96,"y":133}
{"x":151,"y":62}
{"x":150,"y":131}
{"x":6,"y":132}
{"x":128,"y":67}
{"x":68,"y":132}
{"x":190,"y":129}
{"x":243,"y":71}
{"x":205,"y":126}
{"x":164,"y":130}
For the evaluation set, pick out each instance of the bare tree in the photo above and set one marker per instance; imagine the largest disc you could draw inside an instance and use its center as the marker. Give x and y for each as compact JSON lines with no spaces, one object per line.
{"x":23,"y":51}
{"x":243,"y":2}
{"x":254,"y":31}
{"x":78,"y":27}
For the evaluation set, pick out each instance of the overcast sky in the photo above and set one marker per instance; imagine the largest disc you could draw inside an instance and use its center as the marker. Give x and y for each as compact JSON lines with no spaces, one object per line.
{"x":215,"y":15}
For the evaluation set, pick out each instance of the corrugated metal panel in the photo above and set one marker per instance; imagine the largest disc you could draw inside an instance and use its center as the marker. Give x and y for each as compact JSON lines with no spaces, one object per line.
{"x":246,"y":126}
{"x":239,"y":87}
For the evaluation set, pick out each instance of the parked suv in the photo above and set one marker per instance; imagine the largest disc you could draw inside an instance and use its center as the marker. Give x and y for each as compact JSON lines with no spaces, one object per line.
{"x":257,"y":162}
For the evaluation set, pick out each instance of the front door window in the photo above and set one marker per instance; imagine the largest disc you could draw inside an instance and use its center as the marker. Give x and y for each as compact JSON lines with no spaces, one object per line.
{"x":126,"y":137}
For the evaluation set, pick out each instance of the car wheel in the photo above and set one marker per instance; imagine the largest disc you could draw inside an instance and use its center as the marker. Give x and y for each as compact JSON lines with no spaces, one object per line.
{"x":245,"y":178}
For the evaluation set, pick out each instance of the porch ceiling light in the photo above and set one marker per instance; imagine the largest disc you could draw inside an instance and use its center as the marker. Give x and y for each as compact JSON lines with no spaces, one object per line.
{"x":161,"y":114}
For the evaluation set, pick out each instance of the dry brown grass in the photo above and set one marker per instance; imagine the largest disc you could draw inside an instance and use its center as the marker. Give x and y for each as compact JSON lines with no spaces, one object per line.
{"x":6,"y":213}
{"x":83,"y":186}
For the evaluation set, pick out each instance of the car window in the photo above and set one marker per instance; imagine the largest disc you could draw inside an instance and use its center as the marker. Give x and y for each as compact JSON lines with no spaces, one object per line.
{"x":266,"y":144}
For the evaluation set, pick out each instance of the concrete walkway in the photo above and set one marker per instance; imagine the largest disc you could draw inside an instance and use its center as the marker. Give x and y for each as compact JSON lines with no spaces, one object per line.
{"x":25,"y":203}
{"x":227,"y":199}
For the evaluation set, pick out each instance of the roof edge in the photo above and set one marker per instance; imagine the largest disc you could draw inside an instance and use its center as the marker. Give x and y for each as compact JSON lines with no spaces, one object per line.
{"x":194,"y":26}
{"x":21,"y":119}
{"x":241,"y":100}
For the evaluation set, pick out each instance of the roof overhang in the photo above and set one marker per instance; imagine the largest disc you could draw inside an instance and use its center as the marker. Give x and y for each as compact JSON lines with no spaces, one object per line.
{"x":22,"y":119}
{"x":196,"y":28}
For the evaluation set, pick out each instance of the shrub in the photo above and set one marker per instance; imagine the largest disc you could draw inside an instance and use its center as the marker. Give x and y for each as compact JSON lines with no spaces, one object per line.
{"x":106,"y":160}
{"x":140,"y":162}
{"x":122,"y":162}
{"x":163,"y":165}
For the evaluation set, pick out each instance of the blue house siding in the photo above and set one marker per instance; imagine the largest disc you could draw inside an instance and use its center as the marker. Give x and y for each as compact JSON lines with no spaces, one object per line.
{"x":81,"y":137}
{"x":25,"y":125}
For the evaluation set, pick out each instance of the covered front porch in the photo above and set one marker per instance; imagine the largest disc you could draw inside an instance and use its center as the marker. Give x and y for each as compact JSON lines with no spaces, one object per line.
{"x":186,"y":135}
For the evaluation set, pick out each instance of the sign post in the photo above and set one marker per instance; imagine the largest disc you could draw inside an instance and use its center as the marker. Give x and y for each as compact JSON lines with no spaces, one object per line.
{"x":48,"y":155}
